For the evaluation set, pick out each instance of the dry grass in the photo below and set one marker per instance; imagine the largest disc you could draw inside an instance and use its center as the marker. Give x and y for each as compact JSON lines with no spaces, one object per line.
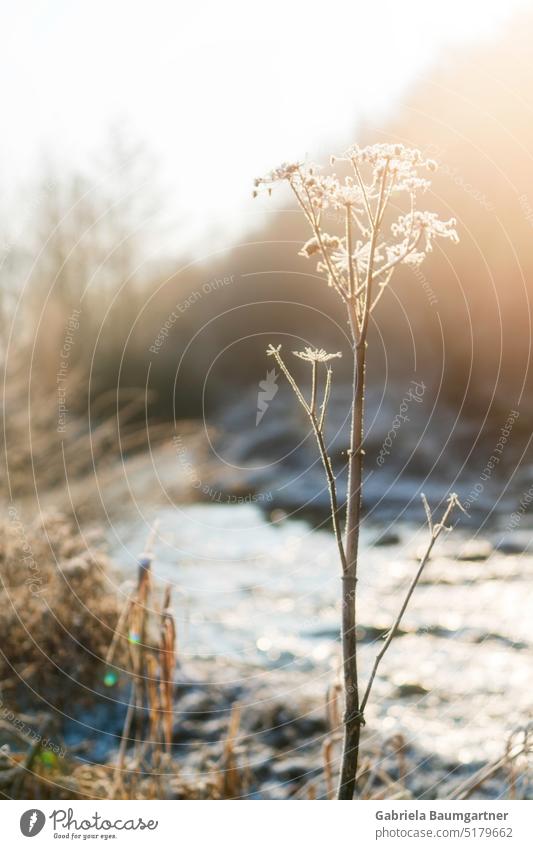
{"x":64,"y":632}
{"x":384,"y":772}
{"x":58,"y":606}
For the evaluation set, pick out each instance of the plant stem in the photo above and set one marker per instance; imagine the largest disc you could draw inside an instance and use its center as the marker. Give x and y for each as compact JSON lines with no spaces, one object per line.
{"x":352,"y":717}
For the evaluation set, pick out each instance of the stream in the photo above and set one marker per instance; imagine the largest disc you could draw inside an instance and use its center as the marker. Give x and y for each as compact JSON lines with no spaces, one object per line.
{"x":259,"y":600}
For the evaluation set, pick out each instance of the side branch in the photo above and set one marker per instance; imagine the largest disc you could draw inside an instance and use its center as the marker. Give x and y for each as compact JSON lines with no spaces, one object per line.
{"x":435,"y":531}
{"x":317,"y":423}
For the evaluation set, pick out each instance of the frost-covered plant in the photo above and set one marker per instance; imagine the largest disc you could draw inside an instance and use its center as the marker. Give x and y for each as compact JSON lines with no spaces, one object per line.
{"x":382,"y":229}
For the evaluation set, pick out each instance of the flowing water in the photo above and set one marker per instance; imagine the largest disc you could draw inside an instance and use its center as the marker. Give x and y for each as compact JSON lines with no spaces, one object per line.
{"x":264,"y":597}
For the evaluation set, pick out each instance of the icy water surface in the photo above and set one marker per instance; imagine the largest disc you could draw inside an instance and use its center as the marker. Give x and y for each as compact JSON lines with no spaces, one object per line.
{"x":265,"y":596}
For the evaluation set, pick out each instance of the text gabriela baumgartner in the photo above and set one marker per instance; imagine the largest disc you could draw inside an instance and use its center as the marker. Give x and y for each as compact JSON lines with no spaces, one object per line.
{"x":457,"y":816}
{"x":62,"y":818}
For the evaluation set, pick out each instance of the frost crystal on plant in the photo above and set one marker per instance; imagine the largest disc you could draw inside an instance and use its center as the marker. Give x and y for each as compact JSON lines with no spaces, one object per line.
{"x":374,"y":239}
{"x":316,"y":355}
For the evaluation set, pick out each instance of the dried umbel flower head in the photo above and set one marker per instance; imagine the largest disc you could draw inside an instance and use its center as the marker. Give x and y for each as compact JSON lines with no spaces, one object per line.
{"x":358,"y":262}
{"x":316,"y":355}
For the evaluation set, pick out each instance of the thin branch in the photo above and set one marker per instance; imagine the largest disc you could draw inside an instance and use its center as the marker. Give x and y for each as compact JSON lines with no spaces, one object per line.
{"x":370,"y":268}
{"x":332,"y":486}
{"x":435,"y":532}
{"x":325,"y":400}
{"x":317,"y":425}
{"x":365,"y":231}
{"x":387,"y":197}
{"x":429,"y":517}
{"x":349,"y":250}
{"x":382,"y":286}
{"x":315,"y":226}
{"x":314,"y":377}
{"x":363,"y":191}
{"x":275,"y":352}
{"x":394,"y":262}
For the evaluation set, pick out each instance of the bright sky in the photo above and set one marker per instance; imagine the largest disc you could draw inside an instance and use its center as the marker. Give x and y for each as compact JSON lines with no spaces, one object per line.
{"x":220,"y":90}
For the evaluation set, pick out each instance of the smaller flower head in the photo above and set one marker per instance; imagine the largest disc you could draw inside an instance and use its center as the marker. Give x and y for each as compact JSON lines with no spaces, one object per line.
{"x":316,"y":355}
